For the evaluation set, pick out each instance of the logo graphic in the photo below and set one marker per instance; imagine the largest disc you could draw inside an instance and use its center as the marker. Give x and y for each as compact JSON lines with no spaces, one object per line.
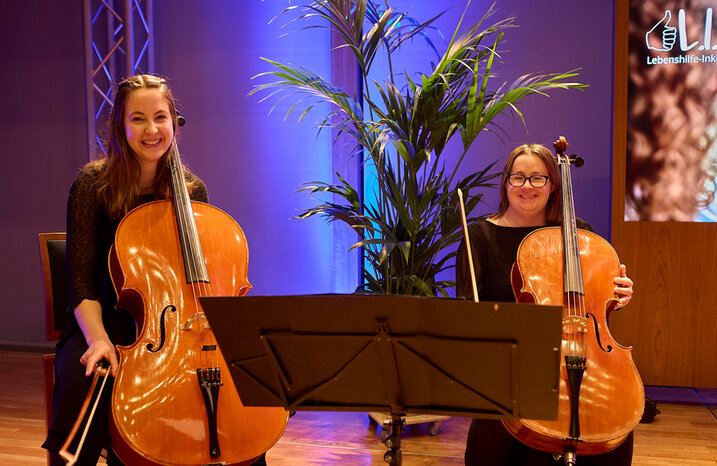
{"x":662,"y":37}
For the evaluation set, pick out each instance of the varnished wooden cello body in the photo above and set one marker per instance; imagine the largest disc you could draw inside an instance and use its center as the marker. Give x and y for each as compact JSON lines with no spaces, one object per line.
{"x":174,"y":401}
{"x":601,"y":396}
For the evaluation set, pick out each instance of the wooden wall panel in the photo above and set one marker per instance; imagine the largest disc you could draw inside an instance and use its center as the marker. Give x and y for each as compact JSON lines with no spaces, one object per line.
{"x":672,"y":320}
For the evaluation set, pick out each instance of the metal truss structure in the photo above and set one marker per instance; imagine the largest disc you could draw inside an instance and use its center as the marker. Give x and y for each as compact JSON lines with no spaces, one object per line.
{"x":119,"y":42}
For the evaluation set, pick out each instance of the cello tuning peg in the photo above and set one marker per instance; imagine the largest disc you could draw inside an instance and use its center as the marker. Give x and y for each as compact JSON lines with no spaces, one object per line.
{"x":577,"y":160}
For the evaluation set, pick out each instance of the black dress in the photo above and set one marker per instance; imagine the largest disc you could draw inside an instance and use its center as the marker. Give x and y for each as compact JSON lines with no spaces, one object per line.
{"x":90,"y":234}
{"x":489,"y":443}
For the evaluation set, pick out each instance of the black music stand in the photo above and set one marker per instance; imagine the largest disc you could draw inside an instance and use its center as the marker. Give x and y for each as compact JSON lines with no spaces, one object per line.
{"x":405,"y":353}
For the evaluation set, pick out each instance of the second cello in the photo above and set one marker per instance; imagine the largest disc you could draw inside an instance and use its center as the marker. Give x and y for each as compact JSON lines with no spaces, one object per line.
{"x":601,"y":396}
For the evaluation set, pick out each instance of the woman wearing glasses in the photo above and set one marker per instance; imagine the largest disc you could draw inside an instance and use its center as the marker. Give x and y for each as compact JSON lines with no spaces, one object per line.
{"x":529,"y":199}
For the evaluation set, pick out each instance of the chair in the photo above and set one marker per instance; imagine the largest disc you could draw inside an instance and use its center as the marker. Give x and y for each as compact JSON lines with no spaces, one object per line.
{"x":54,"y":278}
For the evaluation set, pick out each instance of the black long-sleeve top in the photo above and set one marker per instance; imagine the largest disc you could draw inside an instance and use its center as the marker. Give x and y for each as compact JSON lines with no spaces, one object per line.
{"x":90,"y":235}
{"x":494,"y":249}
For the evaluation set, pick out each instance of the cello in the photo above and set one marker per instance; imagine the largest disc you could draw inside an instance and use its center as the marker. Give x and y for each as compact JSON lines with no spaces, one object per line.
{"x":601,"y":396}
{"x":174,"y":401}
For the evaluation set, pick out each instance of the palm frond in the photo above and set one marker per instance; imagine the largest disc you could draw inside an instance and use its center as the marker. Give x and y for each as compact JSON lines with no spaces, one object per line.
{"x":409,"y":235}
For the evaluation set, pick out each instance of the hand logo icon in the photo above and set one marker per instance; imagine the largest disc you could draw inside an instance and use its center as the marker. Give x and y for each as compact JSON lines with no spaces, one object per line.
{"x":661,"y":37}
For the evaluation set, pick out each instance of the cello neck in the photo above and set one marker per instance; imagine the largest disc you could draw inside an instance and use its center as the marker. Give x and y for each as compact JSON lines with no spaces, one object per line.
{"x":572,"y":270}
{"x":194,"y":265}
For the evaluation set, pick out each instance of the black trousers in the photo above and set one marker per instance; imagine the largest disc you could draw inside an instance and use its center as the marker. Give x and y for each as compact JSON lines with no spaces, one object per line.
{"x":490,"y":444}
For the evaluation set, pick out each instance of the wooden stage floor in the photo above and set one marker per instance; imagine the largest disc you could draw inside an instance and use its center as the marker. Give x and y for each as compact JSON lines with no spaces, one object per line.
{"x":685,"y":433}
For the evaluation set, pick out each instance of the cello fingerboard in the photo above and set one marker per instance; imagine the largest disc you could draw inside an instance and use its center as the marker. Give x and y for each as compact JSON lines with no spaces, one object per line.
{"x":195,"y":267}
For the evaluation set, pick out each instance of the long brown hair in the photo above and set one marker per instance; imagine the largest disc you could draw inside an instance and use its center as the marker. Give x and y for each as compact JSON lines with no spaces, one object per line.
{"x":117,"y":184}
{"x":553,"y":209}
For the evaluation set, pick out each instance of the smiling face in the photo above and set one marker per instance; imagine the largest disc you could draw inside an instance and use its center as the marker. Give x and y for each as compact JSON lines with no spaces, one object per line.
{"x":526,"y":202}
{"x":148,"y":126}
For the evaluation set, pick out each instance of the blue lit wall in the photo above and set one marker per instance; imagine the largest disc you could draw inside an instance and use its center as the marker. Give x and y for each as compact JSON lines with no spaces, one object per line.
{"x":253,"y":162}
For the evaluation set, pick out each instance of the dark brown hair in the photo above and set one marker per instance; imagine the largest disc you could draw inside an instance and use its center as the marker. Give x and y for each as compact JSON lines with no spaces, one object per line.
{"x":553,"y":209}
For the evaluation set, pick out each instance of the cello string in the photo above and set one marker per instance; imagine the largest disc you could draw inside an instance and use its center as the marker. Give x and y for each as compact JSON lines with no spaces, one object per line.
{"x":575,"y":273}
{"x":578,"y":276}
{"x":579,"y":296}
{"x":570,"y":220}
{"x":181,"y":221}
{"x":567,"y":259}
{"x":573,"y":258}
{"x":202,"y":286}
{"x":184,"y":224}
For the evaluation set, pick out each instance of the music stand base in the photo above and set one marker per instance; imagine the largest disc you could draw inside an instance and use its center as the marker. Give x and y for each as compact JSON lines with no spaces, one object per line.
{"x":393,"y":441}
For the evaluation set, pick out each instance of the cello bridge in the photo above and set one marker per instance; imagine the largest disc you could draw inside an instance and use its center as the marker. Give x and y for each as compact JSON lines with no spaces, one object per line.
{"x":573,"y":324}
{"x":198,"y":317}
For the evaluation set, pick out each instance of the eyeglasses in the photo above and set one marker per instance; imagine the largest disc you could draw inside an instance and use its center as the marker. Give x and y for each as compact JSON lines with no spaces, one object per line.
{"x":536,"y":181}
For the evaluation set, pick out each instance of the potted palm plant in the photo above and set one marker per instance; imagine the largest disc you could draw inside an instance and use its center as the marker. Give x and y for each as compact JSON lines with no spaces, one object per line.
{"x":401,"y":126}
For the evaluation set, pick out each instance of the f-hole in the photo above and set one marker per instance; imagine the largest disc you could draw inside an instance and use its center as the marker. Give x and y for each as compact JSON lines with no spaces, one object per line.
{"x":162,"y":329}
